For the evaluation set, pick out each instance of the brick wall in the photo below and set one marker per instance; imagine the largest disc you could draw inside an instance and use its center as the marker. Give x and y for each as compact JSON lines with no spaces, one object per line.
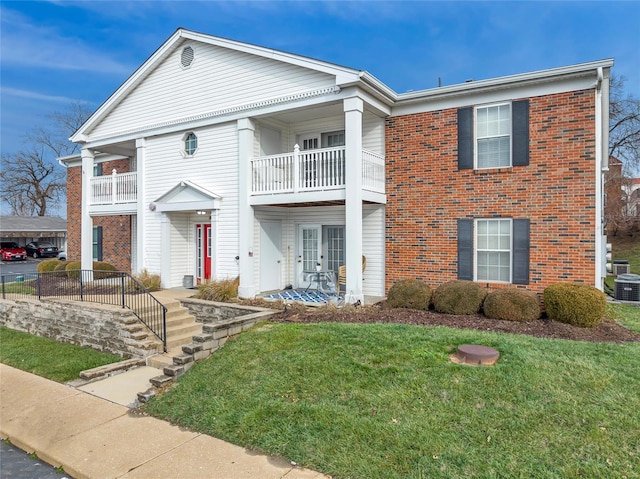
{"x":116,"y":230}
{"x":426,"y":193}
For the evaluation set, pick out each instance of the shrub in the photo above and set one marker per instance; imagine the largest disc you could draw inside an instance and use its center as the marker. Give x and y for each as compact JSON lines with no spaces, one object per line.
{"x":578,"y":304}
{"x":48,"y":265}
{"x":512,"y":304}
{"x":104,"y":268}
{"x":222,"y":290}
{"x":409,"y":293}
{"x":73,"y":269}
{"x":150,"y":281}
{"x":61,"y":266}
{"x":459,"y":297}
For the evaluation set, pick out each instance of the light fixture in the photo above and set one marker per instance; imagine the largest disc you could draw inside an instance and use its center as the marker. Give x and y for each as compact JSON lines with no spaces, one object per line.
{"x":199,"y":212}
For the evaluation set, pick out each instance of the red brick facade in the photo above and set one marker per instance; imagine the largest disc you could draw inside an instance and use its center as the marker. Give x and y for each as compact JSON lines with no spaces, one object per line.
{"x":116,"y":230}
{"x":427,"y":194}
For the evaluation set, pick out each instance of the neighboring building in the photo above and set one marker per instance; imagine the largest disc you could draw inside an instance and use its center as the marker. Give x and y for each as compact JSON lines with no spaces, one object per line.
{"x":622,"y":200}
{"x":25,"y":229}
{"x":217,"y":158}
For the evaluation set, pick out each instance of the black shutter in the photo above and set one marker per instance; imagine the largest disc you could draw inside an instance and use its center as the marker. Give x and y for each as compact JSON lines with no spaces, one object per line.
{"x":465,"y":138}
{"x":98,"y":252}
{"x":465,"y":249}
{"x":520,"y":131}
{"x":520,"y":252}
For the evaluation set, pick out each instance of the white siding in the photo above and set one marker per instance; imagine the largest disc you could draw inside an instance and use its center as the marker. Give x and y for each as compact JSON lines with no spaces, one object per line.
{"x":217,"y":79}
{"x":215,"y":168}
{"x":372,"y":241}
{"x":373,"y":133}
{"x":182,"y":248}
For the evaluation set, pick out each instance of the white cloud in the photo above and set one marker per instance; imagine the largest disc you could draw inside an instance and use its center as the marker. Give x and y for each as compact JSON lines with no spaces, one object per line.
{"x":32,"y":95}
{"x":26,"y":44}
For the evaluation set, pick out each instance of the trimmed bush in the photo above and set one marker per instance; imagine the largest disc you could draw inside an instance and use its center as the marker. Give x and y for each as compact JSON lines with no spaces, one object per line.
{"x":104,"y":268}
{"x":61,"y":266}
{"x":222,"y":290}
{"x":73,"y":269}
{"x":48,"y":265}
{"x":409,"y":293}
{"x":459,"y":297}
{"x":512,"y":304}
{"x":578,"y":304}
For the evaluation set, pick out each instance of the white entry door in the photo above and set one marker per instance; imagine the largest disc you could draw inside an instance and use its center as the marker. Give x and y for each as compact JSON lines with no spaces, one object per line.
{"x":270,"y":256}
{"x":309,"y":252}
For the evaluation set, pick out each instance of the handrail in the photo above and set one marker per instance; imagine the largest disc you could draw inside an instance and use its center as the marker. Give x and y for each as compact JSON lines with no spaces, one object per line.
{"x":105,"y":287}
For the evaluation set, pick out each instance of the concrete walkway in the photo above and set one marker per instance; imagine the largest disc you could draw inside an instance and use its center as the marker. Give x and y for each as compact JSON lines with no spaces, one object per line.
{"x":95,"y":438}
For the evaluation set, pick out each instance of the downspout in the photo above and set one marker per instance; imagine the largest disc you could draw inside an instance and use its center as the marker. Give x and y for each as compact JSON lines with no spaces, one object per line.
{"x":600,"y":168}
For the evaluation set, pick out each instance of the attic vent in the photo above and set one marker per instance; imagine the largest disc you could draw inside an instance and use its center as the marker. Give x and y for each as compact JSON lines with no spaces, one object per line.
{"x":187,"y":57}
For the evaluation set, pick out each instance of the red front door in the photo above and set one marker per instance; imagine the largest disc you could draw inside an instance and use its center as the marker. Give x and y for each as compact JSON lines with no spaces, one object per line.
{"x":203,"y":251}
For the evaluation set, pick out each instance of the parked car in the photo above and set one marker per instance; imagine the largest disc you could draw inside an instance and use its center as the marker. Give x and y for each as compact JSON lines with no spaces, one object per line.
{"x":41,"y":249}
{"x":10,"y":251}
{"x":62,"y":256}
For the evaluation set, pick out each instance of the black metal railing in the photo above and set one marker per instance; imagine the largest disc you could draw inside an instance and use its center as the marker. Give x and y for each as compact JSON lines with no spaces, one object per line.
{"x":105,"y":287}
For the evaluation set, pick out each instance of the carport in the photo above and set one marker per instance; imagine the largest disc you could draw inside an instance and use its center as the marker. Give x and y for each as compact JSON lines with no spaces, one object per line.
{"x":24,"y":229}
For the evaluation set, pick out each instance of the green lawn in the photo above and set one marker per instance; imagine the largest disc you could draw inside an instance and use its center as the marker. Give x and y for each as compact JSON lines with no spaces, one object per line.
{"x":48,"y":358}
{"x":384,"y":401}
{"x":626,"y":248}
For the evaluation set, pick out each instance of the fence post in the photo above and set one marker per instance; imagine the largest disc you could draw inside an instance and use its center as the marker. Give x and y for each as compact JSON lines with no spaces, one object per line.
{"x":113,"y":186}
{"x":3,"y":290}
{"x":39,"y":285}
{"x":81,"y":295}
{"x":122,"y":288}
{"x":296,"y":168}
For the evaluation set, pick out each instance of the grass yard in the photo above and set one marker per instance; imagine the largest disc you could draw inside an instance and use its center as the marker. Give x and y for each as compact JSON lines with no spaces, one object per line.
{"x":628,"y":248}
{"x":384,"y":401}
{"x":48,"y":358}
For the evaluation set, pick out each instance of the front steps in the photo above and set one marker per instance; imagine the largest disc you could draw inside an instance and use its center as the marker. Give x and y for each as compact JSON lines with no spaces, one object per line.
{"x":181,"y":326}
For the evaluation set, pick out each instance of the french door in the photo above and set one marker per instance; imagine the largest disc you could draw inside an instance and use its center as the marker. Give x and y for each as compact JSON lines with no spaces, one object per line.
{"x":319,"y":247}
{"x":203,"y":251}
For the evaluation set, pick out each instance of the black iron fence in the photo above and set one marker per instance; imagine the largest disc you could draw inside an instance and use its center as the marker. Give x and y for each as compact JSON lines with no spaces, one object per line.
{"x":106,"y":287}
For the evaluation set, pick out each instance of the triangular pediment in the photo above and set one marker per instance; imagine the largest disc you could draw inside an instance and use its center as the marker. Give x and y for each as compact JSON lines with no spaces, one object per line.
{"x":187,"y":196}
{"x":217,"y":77}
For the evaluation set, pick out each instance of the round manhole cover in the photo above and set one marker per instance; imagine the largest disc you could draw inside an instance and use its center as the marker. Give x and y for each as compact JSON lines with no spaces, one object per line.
{"x":476,"y":355}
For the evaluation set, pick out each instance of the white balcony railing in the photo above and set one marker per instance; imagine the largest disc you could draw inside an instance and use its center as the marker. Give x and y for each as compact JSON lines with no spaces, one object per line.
{"x":312,"y":170}
{"x":114,"y":189}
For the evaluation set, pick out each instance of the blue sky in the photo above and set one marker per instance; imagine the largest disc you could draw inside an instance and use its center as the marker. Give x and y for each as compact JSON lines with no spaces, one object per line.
{"x":56,"y":52}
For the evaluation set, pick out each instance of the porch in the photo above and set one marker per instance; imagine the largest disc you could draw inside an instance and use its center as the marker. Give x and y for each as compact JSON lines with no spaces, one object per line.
{"x":322,"y":172}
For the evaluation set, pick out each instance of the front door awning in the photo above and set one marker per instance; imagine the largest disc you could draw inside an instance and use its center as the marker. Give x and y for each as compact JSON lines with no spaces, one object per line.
{"x":186,"y":196}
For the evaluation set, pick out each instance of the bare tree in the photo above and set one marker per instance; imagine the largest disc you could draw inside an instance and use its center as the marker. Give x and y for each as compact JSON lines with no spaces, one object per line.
{"x":624,"y":126}
{"x":31,"y":181}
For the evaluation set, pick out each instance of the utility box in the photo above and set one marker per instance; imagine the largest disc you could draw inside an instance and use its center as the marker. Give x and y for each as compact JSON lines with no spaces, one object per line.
{"x":187,"y":281}
{"x":628,"y":287}
{"x":621,"y":266}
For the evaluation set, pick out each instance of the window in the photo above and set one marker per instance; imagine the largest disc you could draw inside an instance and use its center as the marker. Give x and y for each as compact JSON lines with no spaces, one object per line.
{"x":493,"y":136}
{"x":190,"y":144}
{"x":493,"y":250}
{"x":335,"y":138}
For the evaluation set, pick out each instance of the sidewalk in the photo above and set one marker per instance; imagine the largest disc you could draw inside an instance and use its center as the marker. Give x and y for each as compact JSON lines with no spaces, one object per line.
{"x":94,"y":438}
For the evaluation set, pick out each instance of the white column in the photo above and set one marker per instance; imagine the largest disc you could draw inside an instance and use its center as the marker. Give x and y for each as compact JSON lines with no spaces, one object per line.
{"x":165,"y":245}
{"x":246,"y":131}
{"x":142,"y":208}
{"x":353,"y":108}
{"x":86,"y":228}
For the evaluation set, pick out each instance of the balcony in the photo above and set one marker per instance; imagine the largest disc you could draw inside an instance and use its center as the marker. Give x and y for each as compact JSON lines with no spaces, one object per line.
{"x":312,"y":175}
{"x":116,"y":193}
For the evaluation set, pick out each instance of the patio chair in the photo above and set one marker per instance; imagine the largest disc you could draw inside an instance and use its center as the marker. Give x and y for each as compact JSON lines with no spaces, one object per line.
{"x":342,"y":273}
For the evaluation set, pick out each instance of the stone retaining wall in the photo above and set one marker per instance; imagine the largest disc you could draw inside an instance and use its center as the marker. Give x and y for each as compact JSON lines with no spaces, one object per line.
{"x":105,"y":328}
{"x":210,"y":311}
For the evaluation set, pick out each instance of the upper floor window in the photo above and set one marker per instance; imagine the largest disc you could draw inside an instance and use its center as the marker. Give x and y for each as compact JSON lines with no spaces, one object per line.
{"x":335,"y":138}
{"x":190,"y":144}
{"x":493,"y":136}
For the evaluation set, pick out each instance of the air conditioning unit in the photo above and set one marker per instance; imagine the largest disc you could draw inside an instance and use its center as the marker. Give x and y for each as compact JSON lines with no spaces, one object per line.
{"x":628,"y":287}
{"x":620,"y":267}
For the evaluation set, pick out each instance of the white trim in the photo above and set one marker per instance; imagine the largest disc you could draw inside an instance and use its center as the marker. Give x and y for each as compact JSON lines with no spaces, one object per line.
{"x":475,"y":250}
{"x":476,"y":149}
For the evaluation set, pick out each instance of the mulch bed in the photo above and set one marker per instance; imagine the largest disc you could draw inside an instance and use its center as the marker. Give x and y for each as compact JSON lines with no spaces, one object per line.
{"x":607,"y":331}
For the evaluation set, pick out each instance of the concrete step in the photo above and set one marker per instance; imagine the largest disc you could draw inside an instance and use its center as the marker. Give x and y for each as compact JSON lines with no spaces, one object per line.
{"x":179,"y":340}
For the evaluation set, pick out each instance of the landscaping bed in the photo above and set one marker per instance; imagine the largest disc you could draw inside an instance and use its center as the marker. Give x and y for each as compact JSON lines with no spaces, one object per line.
{"x":607,"y":331}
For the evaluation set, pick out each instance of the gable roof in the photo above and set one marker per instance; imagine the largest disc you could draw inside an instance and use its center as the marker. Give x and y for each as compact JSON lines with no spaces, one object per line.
{"x":344,"y":76}
{"x":186,"y":196}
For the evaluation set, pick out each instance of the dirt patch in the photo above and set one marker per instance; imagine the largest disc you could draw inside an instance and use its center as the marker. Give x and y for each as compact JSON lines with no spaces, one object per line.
{"x":607,"y":331}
